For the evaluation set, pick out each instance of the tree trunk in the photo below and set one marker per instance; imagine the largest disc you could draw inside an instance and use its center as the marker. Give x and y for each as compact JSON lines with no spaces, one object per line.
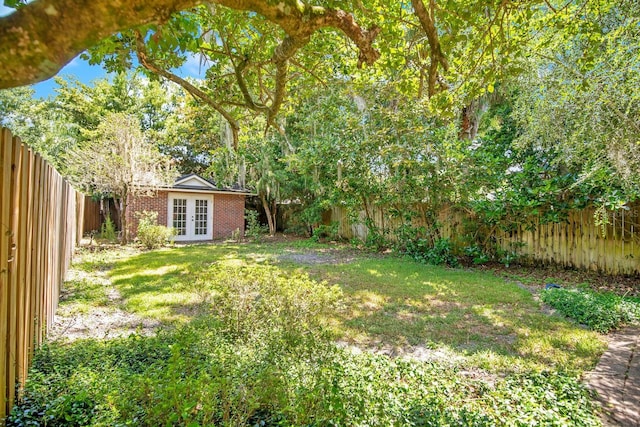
{"x":366,"y":208}
{"x":121,"y":205}
{"x":274,"y":214}
{"x":270,"y":216}
{"x":470,"y":118}
{"x":467,"y":124}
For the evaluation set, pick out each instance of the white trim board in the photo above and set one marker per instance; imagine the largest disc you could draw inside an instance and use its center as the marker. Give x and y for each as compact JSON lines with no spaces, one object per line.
{"x":194,"y":181}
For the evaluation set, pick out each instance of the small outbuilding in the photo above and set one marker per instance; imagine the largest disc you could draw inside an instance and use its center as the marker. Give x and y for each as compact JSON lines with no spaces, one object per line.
{"x":194,"y":207}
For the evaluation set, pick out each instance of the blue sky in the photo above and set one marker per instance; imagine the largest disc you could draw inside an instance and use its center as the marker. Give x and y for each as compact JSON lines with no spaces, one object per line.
{"x":87,"y":73}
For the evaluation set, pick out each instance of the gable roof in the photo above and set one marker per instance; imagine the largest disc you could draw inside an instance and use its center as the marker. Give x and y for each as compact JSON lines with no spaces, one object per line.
{"x":194,"y":181}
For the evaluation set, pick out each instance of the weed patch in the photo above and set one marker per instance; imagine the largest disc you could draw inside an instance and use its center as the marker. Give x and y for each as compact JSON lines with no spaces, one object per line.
{"x":199,"y":374}
{"x":256,"y":346}
{"x":602,"y":312}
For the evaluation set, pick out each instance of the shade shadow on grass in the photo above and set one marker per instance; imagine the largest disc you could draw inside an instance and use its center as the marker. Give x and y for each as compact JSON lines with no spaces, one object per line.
{"x":400,"y":303}
{"x":388,"y":301}
{"x":157,"y":283}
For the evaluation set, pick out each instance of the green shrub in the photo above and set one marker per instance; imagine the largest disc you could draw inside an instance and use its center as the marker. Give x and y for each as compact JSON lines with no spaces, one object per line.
{"x":440,"y":253}
{"x":508,"y":257}
{"x":309,"y":218}
{"x":476,"y":255}
{"x":255,"y":231}
{"x":417,"y":248}
{"x":150,"y":234}
{"x":108,"y":230}
{"x":326,"y":232}
{"x":297,"y":230}
{"x":201,"y":377}
{"x":376,"y":239}
{"x":601,"y":312}
{"x":249,"y":299}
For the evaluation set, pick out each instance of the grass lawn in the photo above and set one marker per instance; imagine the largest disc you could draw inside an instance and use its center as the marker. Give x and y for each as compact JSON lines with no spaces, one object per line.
{"x":249,"y":339}
{"x":390,"y":304}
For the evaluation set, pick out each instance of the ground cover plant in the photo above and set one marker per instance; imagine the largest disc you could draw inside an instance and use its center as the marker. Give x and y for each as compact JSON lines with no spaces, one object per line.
{"x":601,"y":312}
{"x":249,"y":338}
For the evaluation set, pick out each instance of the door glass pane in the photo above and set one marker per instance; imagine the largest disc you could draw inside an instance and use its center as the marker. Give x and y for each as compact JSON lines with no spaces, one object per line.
{"x":202,"y":207}
{"x":180,"y":216}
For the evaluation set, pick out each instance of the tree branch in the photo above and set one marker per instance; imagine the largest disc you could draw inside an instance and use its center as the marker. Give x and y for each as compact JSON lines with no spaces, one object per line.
{"x":281,"y":56}
{"x":428,"y":23}
{"x":192,"y":89}
{"x":550,"y":6}
{"x":310,"y":72}
{"x":43,"y":36}
{"x":238,"y":71}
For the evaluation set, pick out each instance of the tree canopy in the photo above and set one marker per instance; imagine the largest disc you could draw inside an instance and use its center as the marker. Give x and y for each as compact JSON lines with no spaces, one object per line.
{"x":433,"y":40}
{"x":510,"y":110}
{"x":116,"y":160}
{"x":449,"y":51}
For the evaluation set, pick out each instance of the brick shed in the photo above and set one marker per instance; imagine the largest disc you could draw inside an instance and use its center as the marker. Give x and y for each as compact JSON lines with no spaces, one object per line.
{"x":194,"y":207}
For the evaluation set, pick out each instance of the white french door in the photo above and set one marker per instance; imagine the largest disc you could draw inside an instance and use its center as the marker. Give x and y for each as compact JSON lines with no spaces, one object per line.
{"x":191,"y":216}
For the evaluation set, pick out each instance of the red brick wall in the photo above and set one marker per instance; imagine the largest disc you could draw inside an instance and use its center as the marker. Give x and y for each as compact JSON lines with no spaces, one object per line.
{"x":147,"y":203}
{"x":228,"y":214}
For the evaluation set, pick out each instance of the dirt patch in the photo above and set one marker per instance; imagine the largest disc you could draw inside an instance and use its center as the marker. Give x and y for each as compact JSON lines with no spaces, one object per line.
{"x":102,"y":323}
{"x":535,"y":278}
{"x":97,"y":276}
{"x":439,"y":356}
{"x":107,"y":320}
{"x":320,"y":256}
{"x":283,"y":238}
{"x":420,"y":353}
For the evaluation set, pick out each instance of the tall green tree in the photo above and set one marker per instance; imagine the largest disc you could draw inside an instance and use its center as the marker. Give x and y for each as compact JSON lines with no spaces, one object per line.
{"x":37,"y":123}
{"x":581,"y":99}
{"x":450,"y":51}
{"x":406,"y":132}
{"x":118,"y":161}
{"x":166,"y":115}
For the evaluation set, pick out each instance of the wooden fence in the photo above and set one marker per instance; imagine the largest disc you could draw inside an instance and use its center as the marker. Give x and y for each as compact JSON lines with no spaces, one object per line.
{"x":579,"y":242}
{"x":95,"y":213}
{"x":92,"y":215}
{"x":41,"y":222}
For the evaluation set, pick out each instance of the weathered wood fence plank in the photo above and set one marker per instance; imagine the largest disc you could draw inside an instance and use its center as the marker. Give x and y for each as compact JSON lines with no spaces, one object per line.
{"x":40,"y":224}
{"x":5,"y":211}
{"x":579,"y":242}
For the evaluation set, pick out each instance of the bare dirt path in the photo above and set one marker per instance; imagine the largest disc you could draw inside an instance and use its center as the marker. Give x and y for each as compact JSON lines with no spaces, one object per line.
{"x":74,"y":321}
